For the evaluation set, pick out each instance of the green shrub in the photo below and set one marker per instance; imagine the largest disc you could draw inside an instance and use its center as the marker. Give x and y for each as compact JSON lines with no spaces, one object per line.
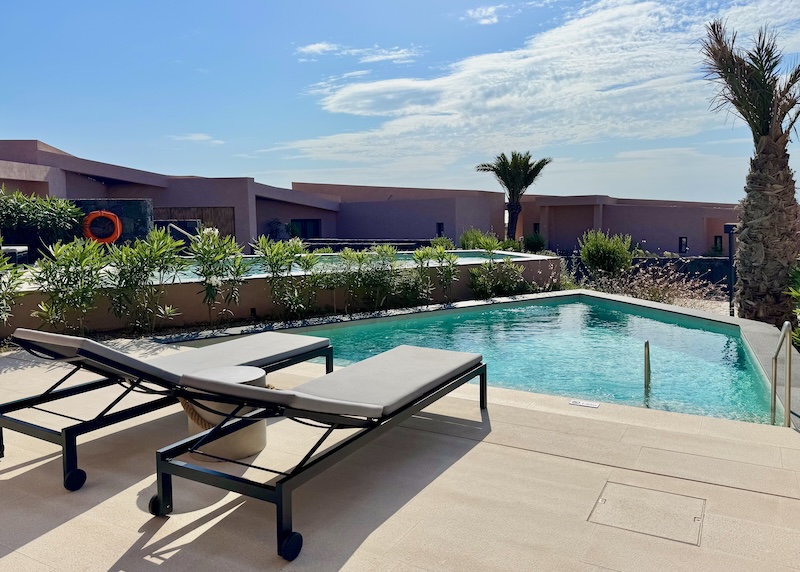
{"x":352,"y":276}
{"x":472,"y":239}
{"x":603,"y":254}
{"x":219,"y":262}
{"x":446,"y":271}
{"x":794,"y":292}
{"x":323,"y":250}
{"x":509,"y":245}
{"x":380,"y":276}
{"x":534,"y":242}
{"x":444,"y":242}
{"x":275,"y":257}
{"x":295,"y":294}
{"x":37,"y":221}
{"x":137,"y":274}
{"x":422,"y":262}
{"x":503,"y":278}
{"x":409,"y":292}
{"x":490,"y":244}
{"x":70,"y":277}
{"x":10,"y":282}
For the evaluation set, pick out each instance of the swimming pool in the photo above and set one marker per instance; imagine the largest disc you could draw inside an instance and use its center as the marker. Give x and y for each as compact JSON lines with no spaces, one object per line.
{"x":589,"y":349}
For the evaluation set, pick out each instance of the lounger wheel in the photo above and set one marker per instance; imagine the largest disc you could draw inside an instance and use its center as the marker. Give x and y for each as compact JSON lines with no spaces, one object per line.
{"x":74,"y":479}
{"x":291,"y":546}
{"x":155,"y":507}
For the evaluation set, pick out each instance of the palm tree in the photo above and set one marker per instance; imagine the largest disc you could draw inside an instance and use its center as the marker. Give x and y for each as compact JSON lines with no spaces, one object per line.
{"x":515,"y":176}
{"x":751,"y":85}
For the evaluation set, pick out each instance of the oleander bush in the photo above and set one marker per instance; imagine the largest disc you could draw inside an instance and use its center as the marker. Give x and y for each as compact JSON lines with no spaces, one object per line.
{"x":502,"y":278}
{"x":380,"y":276}
{"x":136,"y":276}
{"x":218,"y":261}
{"x":446,"y":271}
{"x":10,"y":283}
{"x":70,"y":275}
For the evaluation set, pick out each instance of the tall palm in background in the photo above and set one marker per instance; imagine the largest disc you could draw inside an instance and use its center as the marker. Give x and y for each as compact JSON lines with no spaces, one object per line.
{"x":515,"y":175}
{"x":752,"y":85}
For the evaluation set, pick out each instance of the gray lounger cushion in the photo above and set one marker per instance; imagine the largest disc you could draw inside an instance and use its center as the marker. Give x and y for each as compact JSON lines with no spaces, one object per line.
{"x":257,"y":350}
{"x":375,"y":387}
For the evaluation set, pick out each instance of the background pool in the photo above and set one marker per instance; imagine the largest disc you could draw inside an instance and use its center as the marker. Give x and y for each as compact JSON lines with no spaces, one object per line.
{"x":588,"y":350}
{"x":404,"y":260}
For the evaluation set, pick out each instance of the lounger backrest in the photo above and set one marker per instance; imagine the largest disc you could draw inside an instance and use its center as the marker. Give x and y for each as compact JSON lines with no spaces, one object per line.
{"x":94,"y":355}
{"x":257,"y":350}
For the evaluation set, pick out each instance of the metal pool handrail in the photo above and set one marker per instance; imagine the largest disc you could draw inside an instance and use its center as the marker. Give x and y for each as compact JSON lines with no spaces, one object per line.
{"x":647,"y":373}
{"x":785,"y":337}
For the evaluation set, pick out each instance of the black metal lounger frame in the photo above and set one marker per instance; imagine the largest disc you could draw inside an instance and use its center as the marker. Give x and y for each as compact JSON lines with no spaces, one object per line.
{"x":74,"y":478}
{"x":279,"y":490}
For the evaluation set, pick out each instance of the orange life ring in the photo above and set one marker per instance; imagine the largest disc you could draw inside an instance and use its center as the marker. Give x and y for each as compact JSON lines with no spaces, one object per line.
{"x":111,"y":217}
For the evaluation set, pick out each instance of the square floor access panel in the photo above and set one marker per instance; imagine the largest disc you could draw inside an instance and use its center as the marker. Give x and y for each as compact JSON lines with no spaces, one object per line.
{"x":652,"y":512}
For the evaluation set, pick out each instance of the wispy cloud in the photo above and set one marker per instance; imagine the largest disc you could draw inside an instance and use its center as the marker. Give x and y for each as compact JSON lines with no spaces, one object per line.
{"x":613,"y":69}
{"x":358,"y":73}
{"x":488,"y":15}
{"x":485,"y":15}
{"x":372,"y":54}
{"x":317,"y":49}
{"x":376,"y":54}
{"x":197,"y":138}
{"x":332,"y":83}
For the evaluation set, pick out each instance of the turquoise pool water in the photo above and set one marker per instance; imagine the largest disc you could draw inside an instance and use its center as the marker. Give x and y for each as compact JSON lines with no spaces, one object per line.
{"x":591,"y":350}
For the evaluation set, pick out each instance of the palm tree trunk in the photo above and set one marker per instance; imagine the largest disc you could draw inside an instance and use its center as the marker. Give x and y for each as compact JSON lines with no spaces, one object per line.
{"x":513,"y":215}
{"x":768,"y":241}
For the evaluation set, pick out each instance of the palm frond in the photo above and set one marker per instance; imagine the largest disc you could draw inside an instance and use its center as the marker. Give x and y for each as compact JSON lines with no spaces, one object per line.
{"x":789,"y":98}
{"x":516,"y":174}
{"x":750,"y":81}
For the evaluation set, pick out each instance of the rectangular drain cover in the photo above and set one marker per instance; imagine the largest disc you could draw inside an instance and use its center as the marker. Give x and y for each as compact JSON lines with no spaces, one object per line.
{"x":581,"y":403}
{"x":647,"y":511}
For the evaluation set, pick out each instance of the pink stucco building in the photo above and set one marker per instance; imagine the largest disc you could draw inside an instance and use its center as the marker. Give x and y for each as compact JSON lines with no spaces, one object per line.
{"x":689,"y":228}
{"x":244,"y":208}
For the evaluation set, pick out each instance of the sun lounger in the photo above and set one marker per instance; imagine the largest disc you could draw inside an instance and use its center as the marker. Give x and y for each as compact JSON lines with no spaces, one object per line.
{"x":372,"y":396}
{"x":269,"y":351}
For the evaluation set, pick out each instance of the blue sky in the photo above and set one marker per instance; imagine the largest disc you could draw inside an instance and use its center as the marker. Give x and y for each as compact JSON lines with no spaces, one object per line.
{"x":412,"y":93}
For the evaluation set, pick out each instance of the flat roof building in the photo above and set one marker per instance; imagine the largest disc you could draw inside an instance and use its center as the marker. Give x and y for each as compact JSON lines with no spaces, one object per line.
{"x":246,"y":209}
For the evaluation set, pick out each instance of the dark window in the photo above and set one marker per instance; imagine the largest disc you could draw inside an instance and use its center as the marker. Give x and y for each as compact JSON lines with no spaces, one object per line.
{"x":537,"y":228}
{"x":683,"y":245}
{"x":718,"y":243}
{"x":439,"y":229}
{"x":307,"y":227}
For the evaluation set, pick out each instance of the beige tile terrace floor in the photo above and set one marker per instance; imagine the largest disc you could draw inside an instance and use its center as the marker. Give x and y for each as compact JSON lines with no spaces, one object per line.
{"x":534,"y":484}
